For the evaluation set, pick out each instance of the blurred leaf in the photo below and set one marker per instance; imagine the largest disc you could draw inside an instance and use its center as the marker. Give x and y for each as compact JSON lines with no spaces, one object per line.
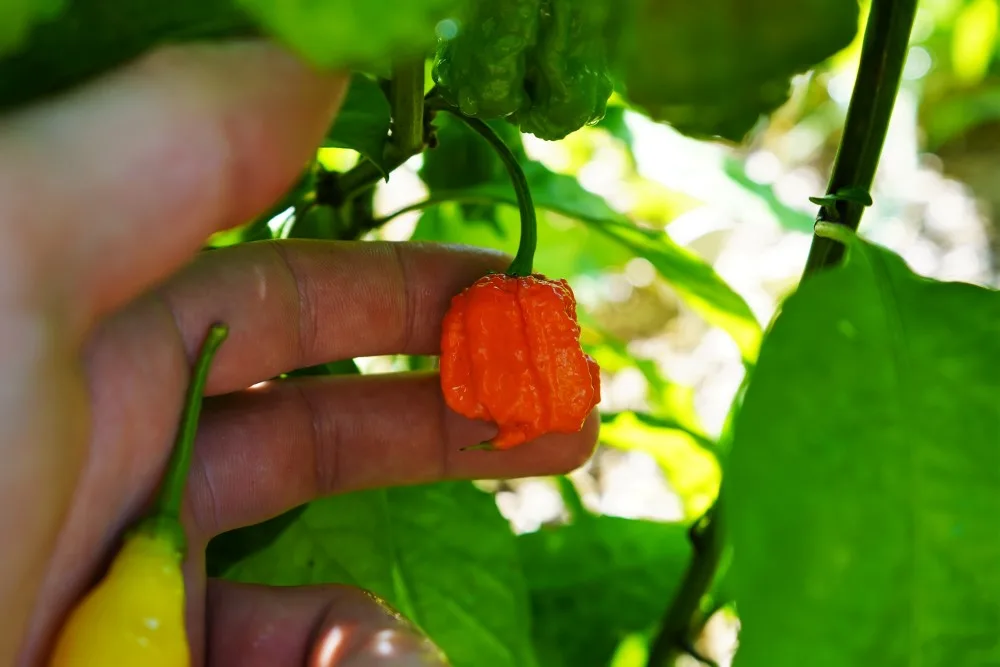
{"x":614,"y":124}
{"x":686,"y":457}
{"x":442,"y":554}
{"x":693,"y":279}
{"x":18,"y":17}
{"x":633,"y":651}
{"x":259,"y":229}
{"x":974,"y":40}
{"x":336,"y":33}
{"x":865,"y":474}
{"x":564,"y":248}
{"x":697,"y":283}
{"x":598,"y":580}
{"x":362,"y":124}
{"x":663,"y":396}
{"x":948,"y":119}
{"x":747,"y":52}
{"x":91,"y":36}
{"x":228,"y":549}
{"x":787,"y":217}
{"x":463,"y":159}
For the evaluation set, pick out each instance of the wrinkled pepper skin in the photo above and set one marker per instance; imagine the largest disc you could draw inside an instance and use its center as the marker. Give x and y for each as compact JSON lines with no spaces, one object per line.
{"x":134,"y":616}
{"x":481,"y":69}
{"x":511,"y":355}
{"x":568,"y":79}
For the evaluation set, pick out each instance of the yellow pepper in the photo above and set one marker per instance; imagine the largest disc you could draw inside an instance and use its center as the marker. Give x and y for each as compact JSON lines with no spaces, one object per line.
{"x":135,"y":616}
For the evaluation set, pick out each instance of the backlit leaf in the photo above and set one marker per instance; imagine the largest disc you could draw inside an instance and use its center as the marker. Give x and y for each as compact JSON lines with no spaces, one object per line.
{"x":865,"y":474}
{"x":442,"y":554}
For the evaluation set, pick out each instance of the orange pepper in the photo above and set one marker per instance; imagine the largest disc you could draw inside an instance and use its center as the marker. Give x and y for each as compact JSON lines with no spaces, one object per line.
{"x":511,"y":354}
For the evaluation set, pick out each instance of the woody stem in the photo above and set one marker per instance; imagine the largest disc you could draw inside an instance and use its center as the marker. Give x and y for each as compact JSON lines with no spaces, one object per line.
{"x":524,"y":259}
{"x":883,"y":54}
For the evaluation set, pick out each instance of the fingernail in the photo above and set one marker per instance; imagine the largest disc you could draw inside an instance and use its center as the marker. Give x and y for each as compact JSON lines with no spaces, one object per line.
{"x":395,"y":648}
{"x":374,"y":634}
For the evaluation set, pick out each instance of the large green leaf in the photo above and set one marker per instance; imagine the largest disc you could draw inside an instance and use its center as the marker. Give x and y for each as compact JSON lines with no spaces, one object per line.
{"x":713,"y":68}
{"x":362,"y":124}
{"x":334,"y":33}
{"x":690,"y":276}
{"x":865,"y":474}
{"x":442,"y":554}
{"x":91,"y":36}
{"x":598,"y":580}
{"x":18,"y":17}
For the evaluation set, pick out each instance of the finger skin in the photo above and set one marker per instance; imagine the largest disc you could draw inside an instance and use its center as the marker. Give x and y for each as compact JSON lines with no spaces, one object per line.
{"x":152,"y":159}
{"x":267,"y":450}
{"x":293,"y":304}
{"x":320,"y":626}
{"x":117,"y":183}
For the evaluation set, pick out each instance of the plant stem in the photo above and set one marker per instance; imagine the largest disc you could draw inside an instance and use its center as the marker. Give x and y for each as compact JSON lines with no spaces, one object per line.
{"x":168,"y":502}
{"x":883,"y":55}
{"x":406,"y":99}
{"x":524,"y":259}
{"x":675,"y":634}
{"x":406,"y":102}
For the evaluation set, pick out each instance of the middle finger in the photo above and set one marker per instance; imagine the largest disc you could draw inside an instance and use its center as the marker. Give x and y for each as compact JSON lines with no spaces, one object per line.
{"x":264,"y":451}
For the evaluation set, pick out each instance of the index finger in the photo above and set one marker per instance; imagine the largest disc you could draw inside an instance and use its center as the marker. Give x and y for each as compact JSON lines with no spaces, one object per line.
{"x":298,"y":303}
{"x":120,"y":181}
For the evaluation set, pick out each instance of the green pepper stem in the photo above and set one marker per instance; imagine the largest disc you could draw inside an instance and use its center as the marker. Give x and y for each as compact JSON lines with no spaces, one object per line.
{"x":525,"y":257}
{"x":883,"y":54}
{"x":168,"y":502}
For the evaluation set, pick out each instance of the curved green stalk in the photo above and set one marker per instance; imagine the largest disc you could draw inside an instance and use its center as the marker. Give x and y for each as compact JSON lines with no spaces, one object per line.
{"x":883,"y":55}
{"x":524,"y":259}
{"x":165,"y":516}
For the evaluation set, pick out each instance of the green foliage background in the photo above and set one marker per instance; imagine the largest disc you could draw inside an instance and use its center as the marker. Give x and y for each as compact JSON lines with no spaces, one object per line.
{"x":862,"y":462}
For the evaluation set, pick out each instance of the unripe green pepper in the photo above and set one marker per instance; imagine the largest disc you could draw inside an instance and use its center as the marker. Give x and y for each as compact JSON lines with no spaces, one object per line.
{"x":481,"y":68}
{"x":568,"y":80}
{"x":134,"y":617}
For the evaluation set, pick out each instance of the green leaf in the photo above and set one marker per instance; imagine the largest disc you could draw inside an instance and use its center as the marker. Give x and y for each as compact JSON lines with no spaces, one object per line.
{"x":697,"y":283}
{"x":787,"y":217}
{"x":362,"y":124}
{"x":865,"y":474}
{"x":686,"y":457}
{"x":690,"y":276}
{"x":226,"y":550}
{"x":598,"y":580}
{"x":90,"y":37}
{"x":442,"y":554}
{"x":462,"y":158}
{"x":747,"y":52}
{"x":18,"y":17}
{"x":336,"y":33}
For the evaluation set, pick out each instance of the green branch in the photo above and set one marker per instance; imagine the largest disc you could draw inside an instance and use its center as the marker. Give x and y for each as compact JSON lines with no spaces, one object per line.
{"x":406,"y":103}
{"x":165,"y":516}
{"x":883,"y":55}
{"x":406,"y":99}
{"x":676,"y":633}
{"x":524,"y":259}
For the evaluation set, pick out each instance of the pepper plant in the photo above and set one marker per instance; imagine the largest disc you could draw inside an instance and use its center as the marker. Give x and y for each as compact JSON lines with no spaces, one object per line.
{"x":849,"y":512}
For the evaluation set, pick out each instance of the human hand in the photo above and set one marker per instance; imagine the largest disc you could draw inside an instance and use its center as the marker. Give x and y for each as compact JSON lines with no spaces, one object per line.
{"x":106,"y":194}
